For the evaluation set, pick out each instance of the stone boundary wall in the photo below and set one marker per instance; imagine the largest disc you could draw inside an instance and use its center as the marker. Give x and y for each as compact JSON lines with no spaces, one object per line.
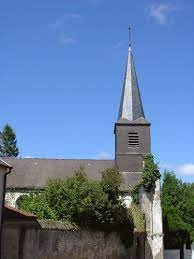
{"x":50,"y":243}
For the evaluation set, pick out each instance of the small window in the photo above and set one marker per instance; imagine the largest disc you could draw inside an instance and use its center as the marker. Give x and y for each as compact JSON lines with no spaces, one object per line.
{"x":133,"y":139}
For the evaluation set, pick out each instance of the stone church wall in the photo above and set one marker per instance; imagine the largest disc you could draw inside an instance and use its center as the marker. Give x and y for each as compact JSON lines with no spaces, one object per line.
{"x":151,"y":205}
{"x":30,"y":243}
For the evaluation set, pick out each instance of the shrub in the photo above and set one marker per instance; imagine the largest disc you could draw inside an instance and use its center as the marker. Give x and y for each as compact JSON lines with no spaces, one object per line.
{"x":78,"y":199}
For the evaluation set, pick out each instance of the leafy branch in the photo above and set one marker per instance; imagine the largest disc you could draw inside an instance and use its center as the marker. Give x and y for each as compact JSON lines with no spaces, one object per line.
{"x":150,"y":175}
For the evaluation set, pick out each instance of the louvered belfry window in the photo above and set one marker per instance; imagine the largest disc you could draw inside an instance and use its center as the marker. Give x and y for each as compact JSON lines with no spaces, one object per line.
{"x":133,"y":139}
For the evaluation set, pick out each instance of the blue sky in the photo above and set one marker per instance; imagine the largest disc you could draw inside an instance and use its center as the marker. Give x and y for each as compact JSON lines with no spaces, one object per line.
{"x":62,"y":67}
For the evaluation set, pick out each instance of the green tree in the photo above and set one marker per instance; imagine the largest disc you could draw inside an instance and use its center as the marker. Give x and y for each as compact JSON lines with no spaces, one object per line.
{"x":8,"y":142}
{"x":80,"y":200}
{"x":150,"y":175}
{"x":178,"y":210}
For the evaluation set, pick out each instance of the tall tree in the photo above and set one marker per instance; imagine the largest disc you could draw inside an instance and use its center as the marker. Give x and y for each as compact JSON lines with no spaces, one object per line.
{"x":8,"y":142}
{"x":178,"y":211}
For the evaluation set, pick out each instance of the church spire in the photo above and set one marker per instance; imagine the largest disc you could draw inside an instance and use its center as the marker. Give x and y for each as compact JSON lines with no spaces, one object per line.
{"x":131,"y":107}
{"x":132,"y":130}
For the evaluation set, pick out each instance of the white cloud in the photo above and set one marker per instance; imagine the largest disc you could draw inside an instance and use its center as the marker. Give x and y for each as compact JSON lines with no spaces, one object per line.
{"x":102,"y":155}
{"x":166,"y":166}
{"x":119,"y":45}
{"x":64,"y":19}
{"x":67,"y":40}
{"x":186,"y":169}
{"x":161,"y":12}
{"x":93,"y":2}
{"x":62,"y":27}
{"x":74,"y":15}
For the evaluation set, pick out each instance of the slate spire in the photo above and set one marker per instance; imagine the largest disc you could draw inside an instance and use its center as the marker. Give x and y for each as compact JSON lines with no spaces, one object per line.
{"x":131,"y":107}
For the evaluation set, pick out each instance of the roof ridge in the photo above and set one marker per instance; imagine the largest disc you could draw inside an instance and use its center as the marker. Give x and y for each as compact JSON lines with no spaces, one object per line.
{"x":43,"y":158}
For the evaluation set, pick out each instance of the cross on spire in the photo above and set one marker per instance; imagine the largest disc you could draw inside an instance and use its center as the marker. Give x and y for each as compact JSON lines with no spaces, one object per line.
{"x":129,"y":35}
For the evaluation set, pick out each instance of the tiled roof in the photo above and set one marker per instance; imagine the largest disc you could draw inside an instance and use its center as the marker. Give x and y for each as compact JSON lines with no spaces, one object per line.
{"x":35,"y":172}
{"x":11,"y":212}
{"x":30,"y":173}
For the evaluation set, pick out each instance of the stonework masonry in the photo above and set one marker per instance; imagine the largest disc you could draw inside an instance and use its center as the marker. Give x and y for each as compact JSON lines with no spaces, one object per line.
{"x":151,"y":205}
{"x":61,"y":244}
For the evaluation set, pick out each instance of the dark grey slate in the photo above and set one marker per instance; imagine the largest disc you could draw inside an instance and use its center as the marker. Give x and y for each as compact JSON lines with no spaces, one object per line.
{"x":131,"y":120}
{"x":131,"y":107}
{"x":30,"y":173}
{"x":35,"y":172}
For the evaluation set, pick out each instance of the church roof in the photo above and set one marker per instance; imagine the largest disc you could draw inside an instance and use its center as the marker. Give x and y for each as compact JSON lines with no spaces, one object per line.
{"x":30,"y":173}
{"x":35,"y":172}
{"x":131,"y":107}
{"x":13,"y":213}
{"x":4,"y":164}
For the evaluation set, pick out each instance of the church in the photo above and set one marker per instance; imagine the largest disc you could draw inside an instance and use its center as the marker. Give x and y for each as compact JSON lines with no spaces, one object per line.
{"x":132,"y":141}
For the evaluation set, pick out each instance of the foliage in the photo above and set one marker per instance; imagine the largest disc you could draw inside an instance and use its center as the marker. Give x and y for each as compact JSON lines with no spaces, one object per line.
{"x":80,"y":200}
{"x":110,"y":182}
{"x":135,"y":193}
{"x":178,"y":207}
{"x":138,"y":218}
{"x":8,"y":142}
{"x":37,"y":204}
{"x":150,"y":175}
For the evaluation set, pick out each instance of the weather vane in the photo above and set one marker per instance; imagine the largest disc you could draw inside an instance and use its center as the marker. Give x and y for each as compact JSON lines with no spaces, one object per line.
{"x":129,"y":35}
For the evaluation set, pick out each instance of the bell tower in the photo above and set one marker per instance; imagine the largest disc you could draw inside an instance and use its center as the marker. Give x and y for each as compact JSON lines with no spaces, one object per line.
{"x":132,"y":130}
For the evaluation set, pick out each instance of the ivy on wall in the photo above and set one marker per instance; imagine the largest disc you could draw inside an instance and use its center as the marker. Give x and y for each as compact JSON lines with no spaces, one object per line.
{"x":150,"y":175}
{"x":138,"y":218}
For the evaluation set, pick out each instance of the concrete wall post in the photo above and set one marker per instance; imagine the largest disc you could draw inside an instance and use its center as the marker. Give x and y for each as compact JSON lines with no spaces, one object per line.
{"x":151,"y":205}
